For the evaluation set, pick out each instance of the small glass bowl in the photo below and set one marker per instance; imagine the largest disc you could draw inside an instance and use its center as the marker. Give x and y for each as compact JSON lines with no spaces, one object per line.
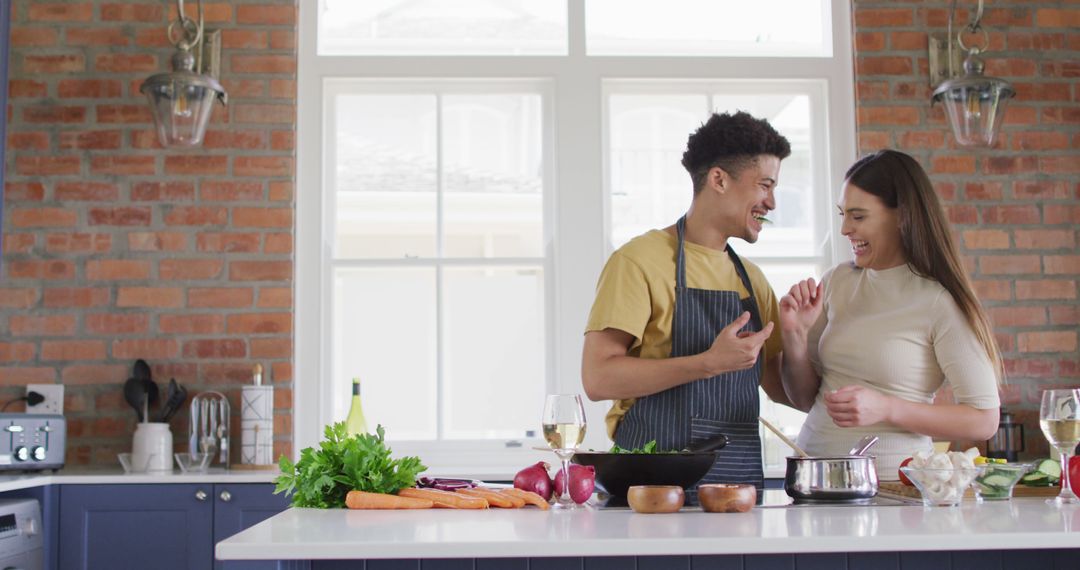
{"x":129,"y":465}
{"x":193,"y":462}
{"x":997,"y":480}
{"x":942,"y":487}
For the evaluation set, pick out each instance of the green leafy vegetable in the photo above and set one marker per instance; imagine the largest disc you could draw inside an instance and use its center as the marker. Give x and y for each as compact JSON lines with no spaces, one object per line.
{"x":342,"y":463}
{"x":649,"y":447}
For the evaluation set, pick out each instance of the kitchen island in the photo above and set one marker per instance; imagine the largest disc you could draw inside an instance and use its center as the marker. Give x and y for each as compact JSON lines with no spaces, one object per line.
{"x":1019,"y":533}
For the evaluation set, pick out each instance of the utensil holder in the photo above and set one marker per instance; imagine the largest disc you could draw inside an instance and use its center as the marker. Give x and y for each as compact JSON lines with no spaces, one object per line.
{"x":209,"y":428}
{"x":257,"y":425}
{"x":152,"y":446}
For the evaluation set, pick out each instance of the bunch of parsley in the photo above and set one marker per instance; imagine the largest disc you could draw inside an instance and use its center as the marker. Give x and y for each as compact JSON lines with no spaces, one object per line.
{"x":324,"y":475}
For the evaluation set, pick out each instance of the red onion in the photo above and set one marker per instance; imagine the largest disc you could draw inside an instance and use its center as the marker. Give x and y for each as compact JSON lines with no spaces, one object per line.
{"x":534,"y":478}
{"x":582,"y":481}
{"x":445,"y":484}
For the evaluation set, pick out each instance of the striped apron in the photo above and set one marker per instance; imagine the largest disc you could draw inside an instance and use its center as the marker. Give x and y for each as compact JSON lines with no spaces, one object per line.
{"x":699,"y":410}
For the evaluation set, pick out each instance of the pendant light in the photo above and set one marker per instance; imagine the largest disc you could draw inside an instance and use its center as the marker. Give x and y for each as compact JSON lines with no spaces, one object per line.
{"x":975,"y":103}
{"x":182,"y":100}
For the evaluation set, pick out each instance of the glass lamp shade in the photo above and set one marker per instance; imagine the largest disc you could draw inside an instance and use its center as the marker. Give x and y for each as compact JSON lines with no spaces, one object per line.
{"x":181,"y":102}
{"x":975,"y":105}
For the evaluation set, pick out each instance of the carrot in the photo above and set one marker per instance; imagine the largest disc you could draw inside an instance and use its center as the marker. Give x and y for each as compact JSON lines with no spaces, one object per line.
{"x":529,"y":497}
{"x":365,"y":500}
{"x":517,"y":501}
{"x":494,"y":499}
{"x":445,"y":499}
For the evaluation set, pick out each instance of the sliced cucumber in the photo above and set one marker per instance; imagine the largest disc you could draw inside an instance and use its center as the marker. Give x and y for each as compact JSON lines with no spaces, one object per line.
{"x":1036,"y":479}
{"x":1050,"y":467}
{"x":1000,"y":481}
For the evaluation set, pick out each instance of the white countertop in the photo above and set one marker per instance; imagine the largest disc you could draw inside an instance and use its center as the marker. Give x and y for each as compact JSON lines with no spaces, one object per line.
{"x":308,"y":534}
{"x":117,"y":476}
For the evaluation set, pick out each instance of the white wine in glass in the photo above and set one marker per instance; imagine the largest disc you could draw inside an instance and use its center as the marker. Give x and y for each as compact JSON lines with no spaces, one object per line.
{"x":564,"y":435}
{"x":564,"y":429}
{"x":1059,"y":418}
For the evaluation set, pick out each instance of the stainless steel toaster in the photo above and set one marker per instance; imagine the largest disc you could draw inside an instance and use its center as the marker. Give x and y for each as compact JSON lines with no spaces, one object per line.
{"x":32,"y":442}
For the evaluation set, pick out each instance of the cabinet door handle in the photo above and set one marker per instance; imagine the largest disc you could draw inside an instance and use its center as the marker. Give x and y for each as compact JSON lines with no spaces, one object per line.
{"x":200,"y":495}
{"x":226,"y":496}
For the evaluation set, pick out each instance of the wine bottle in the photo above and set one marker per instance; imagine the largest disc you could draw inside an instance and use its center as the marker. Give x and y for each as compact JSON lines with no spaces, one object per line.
{"x":355,"y":422}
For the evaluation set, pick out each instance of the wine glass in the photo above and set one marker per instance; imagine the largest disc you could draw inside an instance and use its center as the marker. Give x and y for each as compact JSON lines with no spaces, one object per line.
{"x":564,"y":430}
{"x":1059,"y":418}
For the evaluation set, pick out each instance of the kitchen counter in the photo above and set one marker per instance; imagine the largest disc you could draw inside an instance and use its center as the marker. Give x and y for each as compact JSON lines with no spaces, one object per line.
{"x":312,"y":534}
{"x":14,"y":482}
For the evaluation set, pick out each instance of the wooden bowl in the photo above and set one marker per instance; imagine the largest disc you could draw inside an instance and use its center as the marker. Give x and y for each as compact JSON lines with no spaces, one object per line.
{"x":655,"y":498}
{"x":723,"y":498}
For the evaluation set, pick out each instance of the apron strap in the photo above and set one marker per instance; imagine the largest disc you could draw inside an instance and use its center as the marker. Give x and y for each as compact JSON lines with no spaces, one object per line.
{"x":755,"y":314}
{"x":680,"y":259}
{"x":740,"y":269}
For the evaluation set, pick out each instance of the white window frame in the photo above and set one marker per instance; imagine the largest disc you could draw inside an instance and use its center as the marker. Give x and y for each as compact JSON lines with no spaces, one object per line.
{"x":580,"y":225}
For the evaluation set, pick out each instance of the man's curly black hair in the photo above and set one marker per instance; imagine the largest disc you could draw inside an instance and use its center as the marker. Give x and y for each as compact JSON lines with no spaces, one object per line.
{"x":731,"y":142}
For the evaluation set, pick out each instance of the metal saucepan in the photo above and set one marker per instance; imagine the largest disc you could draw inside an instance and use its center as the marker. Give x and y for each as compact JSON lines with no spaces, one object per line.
{"x":841,"y":478}
{"x":617,"y":472}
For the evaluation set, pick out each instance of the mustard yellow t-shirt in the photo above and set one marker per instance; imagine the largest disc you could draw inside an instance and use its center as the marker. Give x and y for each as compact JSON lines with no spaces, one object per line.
{"x":636,"y":294}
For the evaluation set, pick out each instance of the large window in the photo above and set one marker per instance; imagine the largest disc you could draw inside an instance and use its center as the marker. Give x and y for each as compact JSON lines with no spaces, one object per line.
{"x":465,"y":173}
{"x":435,"y":194}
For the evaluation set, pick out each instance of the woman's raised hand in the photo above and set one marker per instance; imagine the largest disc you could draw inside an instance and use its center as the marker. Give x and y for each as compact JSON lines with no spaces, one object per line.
{"x":800,"y":308}
{"x":854,"y":405}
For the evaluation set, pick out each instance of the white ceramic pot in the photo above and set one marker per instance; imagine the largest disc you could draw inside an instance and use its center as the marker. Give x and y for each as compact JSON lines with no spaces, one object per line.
{"x":152,"y":447}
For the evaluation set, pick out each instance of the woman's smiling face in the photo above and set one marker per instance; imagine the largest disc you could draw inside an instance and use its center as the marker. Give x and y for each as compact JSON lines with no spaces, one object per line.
{"x":872,"y":228}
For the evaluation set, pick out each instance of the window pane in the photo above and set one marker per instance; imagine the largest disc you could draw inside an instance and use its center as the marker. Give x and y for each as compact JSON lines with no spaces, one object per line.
{"x":792,"y":28}
{"x":649,"y":187}
{"x":492,"y":158}
{"x":438,"y":27}
{"x":385,"y":175}
{"x":789,"y":421}
{"x":782,"y":276}
{"x":494,"y":351}
{"x":384,"y":332}
{"x":792,"y":231}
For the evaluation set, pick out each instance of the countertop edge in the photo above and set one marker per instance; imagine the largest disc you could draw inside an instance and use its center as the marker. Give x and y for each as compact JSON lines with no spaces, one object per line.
{"x":308,"y":534}
{"x":657,"y":547}
{"x":29,"y":481}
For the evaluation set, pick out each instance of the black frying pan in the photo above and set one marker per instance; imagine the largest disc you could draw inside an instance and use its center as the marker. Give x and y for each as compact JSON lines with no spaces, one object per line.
{"x":617,"y":472}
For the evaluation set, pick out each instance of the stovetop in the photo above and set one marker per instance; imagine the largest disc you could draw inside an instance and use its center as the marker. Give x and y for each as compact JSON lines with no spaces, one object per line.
{"x":769,"y":499}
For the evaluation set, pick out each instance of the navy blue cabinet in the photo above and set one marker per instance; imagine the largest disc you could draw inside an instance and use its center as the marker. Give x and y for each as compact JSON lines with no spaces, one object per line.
{"x":237,"y":507}
{"x":166,"y":527}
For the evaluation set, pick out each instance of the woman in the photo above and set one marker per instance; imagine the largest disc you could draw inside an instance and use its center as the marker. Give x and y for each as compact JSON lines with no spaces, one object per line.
{"x":865,"y":350}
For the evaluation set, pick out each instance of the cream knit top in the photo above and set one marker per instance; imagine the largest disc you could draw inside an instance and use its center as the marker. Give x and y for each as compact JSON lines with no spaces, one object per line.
{"x":902,"y":335}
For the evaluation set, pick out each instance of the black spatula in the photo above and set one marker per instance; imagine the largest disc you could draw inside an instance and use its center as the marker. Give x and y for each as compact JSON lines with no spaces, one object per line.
{"x":175,"y":399}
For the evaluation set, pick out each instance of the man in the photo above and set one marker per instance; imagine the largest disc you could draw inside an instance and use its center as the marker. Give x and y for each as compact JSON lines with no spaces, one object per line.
{"x":680,"y":333}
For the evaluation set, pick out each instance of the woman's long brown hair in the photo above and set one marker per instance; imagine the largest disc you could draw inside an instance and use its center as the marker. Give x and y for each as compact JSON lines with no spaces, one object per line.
{"x":899,"y":181}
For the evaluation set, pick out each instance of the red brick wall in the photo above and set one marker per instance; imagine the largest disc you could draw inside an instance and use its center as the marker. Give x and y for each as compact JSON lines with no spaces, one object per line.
{"x":116,"y":249}
{"x":1016,"y":206}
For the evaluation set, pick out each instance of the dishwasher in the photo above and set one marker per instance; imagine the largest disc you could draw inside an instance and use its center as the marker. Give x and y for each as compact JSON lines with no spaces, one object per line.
{"x":21,"y":541}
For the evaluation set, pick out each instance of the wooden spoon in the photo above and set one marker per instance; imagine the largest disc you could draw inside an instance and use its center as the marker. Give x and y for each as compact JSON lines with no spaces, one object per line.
{"x":783,"y":437}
